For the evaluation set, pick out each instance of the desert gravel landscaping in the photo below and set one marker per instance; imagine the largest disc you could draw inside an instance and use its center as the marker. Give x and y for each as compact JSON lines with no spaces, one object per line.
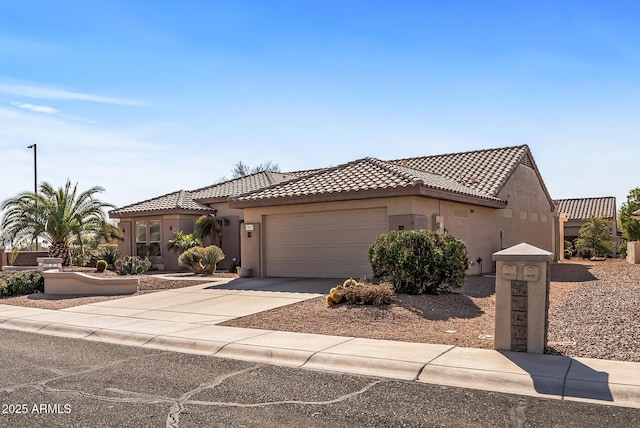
{"x":594,"y":312}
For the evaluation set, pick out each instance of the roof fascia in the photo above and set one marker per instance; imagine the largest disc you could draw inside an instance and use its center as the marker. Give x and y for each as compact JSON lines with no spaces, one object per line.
{"x":150,"y":213}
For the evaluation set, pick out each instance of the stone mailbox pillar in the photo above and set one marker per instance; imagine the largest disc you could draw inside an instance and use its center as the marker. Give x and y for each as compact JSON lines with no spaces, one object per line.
{"x":522,"y":298}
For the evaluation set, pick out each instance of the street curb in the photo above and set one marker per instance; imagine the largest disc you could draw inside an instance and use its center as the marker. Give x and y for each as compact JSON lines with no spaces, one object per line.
{"x":181,"y":344}
{"x":120,"y":337}
{"x":263,"y":354}
{"x":395,"y":369}
{"x":510,"y":383}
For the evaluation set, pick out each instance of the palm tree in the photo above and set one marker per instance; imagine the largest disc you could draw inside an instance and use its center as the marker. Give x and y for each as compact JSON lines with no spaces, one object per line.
{"x":209,"y":225}
{"x":59,"y":216}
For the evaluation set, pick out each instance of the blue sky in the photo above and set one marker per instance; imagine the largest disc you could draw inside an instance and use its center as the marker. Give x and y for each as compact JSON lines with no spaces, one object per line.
{"x":148,"y":97}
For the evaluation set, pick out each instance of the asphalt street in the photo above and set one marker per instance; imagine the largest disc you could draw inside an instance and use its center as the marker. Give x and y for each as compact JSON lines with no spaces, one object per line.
{"x":48,"y":381}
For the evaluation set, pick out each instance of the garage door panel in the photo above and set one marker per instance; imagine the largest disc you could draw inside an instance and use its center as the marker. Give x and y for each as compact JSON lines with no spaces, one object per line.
{"x":328,"y":244}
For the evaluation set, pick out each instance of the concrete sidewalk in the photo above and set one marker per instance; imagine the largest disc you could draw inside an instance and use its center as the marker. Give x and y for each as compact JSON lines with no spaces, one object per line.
{"x":184,"y":320}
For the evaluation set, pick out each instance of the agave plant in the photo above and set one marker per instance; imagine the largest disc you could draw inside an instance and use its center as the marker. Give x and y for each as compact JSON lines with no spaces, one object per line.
{"x":182,"y":242}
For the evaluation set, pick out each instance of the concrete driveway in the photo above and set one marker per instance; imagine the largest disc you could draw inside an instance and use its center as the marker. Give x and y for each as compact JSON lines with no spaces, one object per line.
{"x":212,"y":303}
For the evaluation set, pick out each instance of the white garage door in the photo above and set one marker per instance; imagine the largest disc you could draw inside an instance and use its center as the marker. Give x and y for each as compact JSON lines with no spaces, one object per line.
{"x":330,"y":244}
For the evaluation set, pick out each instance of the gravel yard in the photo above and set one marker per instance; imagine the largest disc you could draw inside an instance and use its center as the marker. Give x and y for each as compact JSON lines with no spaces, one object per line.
{"x":594,"y":312}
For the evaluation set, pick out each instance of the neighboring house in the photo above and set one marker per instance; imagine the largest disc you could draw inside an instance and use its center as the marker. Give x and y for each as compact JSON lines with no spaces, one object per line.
{"x":578,"y":212}
{"x":321,"y":222}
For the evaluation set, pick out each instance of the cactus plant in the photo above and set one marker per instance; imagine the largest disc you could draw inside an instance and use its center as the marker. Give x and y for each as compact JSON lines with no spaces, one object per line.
{"x":349,"y":283}
{"x":101,"y":265}
{"x":132,"y":265}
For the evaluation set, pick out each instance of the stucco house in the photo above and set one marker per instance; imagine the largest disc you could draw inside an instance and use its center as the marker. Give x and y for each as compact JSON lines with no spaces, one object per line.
{"x":577,"y":212}
{"x":321,"y":222}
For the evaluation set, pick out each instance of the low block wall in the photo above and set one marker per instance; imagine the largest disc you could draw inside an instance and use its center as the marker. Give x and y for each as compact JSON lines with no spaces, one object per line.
{"x":28,"y":258}
{"x":633,"y":252}
{"x":80,"y":283}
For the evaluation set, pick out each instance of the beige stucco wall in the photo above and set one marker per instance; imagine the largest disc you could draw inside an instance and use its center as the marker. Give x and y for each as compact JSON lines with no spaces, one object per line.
{"x":528,"y":216}
{"x":169,"y":225}
{"x":172,"y":223}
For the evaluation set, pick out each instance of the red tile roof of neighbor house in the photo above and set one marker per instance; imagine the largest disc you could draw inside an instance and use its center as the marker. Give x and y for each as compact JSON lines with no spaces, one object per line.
{"x":475,"y":175}
{"x":585,"y":208}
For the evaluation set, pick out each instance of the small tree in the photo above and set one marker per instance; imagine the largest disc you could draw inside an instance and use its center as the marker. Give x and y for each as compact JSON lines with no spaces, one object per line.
{"x":628,"y":223}
{"x":596,"y":234}
{"x":241,"y":169}
{"x":209,"y":225}
{"x":418,"y":262}
{"x":61,"y":217}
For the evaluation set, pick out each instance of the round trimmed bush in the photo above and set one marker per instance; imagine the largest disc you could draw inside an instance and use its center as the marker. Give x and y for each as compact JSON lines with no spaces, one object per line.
{"x":419,"y":261}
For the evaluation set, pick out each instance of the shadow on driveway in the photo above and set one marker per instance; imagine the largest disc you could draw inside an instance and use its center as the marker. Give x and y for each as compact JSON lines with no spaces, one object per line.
{"x":289,"y":285}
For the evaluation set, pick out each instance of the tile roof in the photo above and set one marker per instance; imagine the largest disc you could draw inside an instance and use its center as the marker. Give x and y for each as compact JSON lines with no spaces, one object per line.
{"x":237,"y":186}
{"x":360,"y":175}
{"x":483,"y":170}
{"x":180,"y":200}
{"x":584,"y":208}
{"x":477,"y":174}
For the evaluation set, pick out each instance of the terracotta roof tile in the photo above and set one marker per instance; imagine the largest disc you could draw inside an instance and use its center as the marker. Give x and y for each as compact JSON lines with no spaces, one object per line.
{"x":180,"y":200}
{"x":585,"y":208}
{"x":483,"y":170}
{"x":240,"y":185}
{"x":360,"y":175}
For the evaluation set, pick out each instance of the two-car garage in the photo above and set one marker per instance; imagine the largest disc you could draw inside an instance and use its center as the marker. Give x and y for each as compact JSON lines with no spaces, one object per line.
{"x":331,"y":244}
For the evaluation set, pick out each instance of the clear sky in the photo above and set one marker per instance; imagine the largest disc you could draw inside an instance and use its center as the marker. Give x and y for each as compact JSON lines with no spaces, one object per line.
{"x":148,"y":97}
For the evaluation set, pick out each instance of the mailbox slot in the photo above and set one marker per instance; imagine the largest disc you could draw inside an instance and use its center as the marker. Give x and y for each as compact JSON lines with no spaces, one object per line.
{"x":509,"y":272}
{"x":531,"y":273}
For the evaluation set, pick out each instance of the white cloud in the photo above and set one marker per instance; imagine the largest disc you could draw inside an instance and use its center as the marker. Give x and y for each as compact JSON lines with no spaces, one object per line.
{"x":127,"y":161}
{"x":35,"y":90}
{"x":36,"y":108}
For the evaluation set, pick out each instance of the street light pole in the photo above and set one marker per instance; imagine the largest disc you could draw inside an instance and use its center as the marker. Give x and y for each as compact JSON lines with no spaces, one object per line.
{"x":35,"y":175}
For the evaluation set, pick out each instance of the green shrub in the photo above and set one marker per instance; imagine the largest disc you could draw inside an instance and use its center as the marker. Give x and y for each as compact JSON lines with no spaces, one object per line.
{"x":27,"y":282}
{"x":132,"y":265}
{"x":182,"y":242}
{"x":101,"y":265}
{"x":4,"y":288}
{"x":110,"y":254}
{"x":80,"y":255}
{"x":622,"y":250}
{"x":192,"y":259}
{"x":235,"y":264}
{"x":211,"y":256}
{"x":596,"y":235}
{"x":417,"y":262}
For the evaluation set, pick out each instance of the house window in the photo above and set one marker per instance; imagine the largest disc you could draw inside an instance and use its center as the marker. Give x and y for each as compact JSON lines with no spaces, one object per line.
{"x":148,"y":238}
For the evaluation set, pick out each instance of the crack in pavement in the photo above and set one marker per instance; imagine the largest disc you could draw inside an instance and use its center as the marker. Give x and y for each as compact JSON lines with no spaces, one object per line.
{"x":518,"y":413}
{"x":68,"y":372}
{"x":274,"y":403}
{"x":173,"y":418}
{"x":177,"y":405}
